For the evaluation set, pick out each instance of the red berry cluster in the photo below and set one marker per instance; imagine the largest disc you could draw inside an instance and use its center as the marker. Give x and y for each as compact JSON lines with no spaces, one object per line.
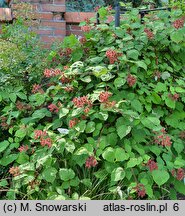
{"x":66,"y":67}
{"x":23,"y":148}
{"x":64,"y":79}
{"x":163,"y":139}
{"x":51,"y":72}
{"x":179,"y":174}
{"x":112,"y":55}
{"x":91,"y":162}
{"x":131,"y":80}
{"x":140,"y":189}
{"x":65,"y":52}
{"x":37,"y":88}
{"x":109,"y":8}
{"x":104,"y":96}
{"x":87,"y":20}
{"x":15,"y":171}
{"x":149,"y":33}
{"x":53,"y":108}
{"x":83,"y":102}
{"x":4,"y":124}
{"x":73,"y":122}
{"x":22,"y":106}
{"x":174,"y":97}
{"x":83,"y":40}
{"x":86,"y":28}
{"x":96,"y":8}
{"x":39,"y":133}
{"x":69,"y":89}
{"x":43,"y":136}
{"x":46,"y":142}
{"x":152,"y":165}
{"x":179,"y":23}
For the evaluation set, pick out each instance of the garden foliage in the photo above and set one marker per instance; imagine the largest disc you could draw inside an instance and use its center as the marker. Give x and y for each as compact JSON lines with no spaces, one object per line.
{"x":108,"y":120}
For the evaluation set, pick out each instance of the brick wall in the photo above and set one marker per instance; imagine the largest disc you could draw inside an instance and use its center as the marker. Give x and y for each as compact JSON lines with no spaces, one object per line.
{"x":54,"y":23}
{"x":73,"y":20}
{"x":50,"y":17}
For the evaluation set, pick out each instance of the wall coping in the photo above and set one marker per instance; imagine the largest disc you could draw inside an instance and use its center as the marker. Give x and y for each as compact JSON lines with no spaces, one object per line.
{"x":5,"y":14}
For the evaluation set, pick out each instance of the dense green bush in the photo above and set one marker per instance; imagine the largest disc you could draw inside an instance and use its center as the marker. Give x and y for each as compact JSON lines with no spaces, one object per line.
{"x":22,"y":57}
{"x":108,"y":121}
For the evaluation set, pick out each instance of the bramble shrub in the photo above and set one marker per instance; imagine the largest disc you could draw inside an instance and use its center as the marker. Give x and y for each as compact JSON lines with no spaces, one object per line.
{"x":108,"y":120}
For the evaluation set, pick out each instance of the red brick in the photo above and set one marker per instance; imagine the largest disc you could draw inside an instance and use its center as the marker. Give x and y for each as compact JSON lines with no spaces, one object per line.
{"x":44,"y":16}
{"x":77,"y":17}
{"x":56,"y":24}
{"x":60,"y":32}
{"x":53,"y":8}
{"x":44,"y":32}
{"x":75,"y":27}
{"x":51,"y":39}
{"x":80,"y":33}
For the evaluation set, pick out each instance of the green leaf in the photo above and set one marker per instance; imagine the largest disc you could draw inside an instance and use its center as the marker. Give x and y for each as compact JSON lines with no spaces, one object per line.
{"x":96,"y":60}
{"x":103,"y":116}
{"x":21,"y":133}
{"x":177,"y":36}
{"x":170,"y":103}
{"x":49,"y":174}
{"x":150,"y":122}
{"x":86,"y":79}
{"x":22,"y":158}
{"x":8,"y":159}
{"x":141,"y":64}
{"x":155,"y":98}
{"x":63,"y":112}
{"x":13,"y":97}
{"x":109,"y":154}
{"x":75,"y":182}
{"x":3,"y":183}
{"x":90,"y":127}
{"x":160,"y":177}
{"x":133,"y":54}
{"x":117,"y":174}
{"x":22,"y":96}
{"x":66,"y":174}
{"x":39,"y":114}
{"x":132,"y":162}
{"x":3,"y":145}
{"x":99,"y":71}
{"x":178,"y":146}
{"x":123,"y":130}
{"x":180,"y":186}
{"x":179,"y":162}
{"x":112,"y":139}
{"x":149,"y":190}
{"x":77,"y":54}
{"x":120,"y":32}
{"x":136,"y":104}
{"x":80,"y":127}
{"x":160,"y":87}
{"x":121,"y":155}
{"x":118,"y":82}
{"x":76,"y":112}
